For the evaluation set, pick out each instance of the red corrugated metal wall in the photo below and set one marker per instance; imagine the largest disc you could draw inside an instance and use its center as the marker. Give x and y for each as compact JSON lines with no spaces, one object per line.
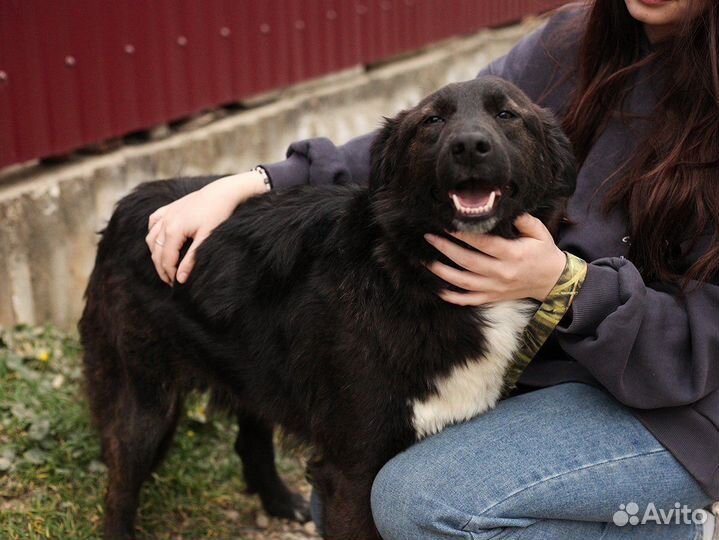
{"x":76,"y":72}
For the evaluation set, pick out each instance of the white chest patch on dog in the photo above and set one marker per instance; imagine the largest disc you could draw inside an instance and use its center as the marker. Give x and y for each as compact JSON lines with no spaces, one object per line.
{"x":473,"y":388}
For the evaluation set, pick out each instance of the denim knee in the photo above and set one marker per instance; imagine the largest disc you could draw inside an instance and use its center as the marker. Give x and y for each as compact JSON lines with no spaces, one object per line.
{"x":405,"y":505}
{"x":388,"y":499}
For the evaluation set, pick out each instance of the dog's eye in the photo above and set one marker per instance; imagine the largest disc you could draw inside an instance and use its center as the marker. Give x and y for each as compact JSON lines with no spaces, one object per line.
{"x":432,"y":120}
{"x":506,"y":115}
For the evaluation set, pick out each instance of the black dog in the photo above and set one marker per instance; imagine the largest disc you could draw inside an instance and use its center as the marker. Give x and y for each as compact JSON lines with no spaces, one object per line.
{"x":312,"y":308}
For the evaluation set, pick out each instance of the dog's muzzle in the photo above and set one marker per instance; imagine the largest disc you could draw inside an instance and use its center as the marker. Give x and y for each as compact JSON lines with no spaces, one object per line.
{"x":478,"y":174}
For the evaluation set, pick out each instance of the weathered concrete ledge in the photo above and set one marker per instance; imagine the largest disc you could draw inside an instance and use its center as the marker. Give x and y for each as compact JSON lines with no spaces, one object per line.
{"x":49,"y":215}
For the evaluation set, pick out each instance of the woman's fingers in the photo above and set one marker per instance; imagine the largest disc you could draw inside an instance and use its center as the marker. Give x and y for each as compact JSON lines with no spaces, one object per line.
{"x":531,"y":227}
{"x":156,"y":216}
{"x":466,"y":299}
{"x":500,"y":268}
{"x":154,"y":244}
{"x":172,"y":243}
{"x":188,"y":261}
{"x":165,"y":244}
{"x":161,"y":245}
{"x":476,"y":262}
{"x":502,"y":248}
{"x":469,"y":281}
{"x":489,"y":244}
{"x":151,"y":235}
{"x":157,"y":261}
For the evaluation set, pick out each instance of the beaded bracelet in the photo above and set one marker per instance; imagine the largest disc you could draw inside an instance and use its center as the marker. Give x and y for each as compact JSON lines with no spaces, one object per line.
{"x":265,"y":177}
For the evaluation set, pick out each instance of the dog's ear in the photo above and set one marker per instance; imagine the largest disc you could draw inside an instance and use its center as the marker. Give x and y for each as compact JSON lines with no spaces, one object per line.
{"x":384,"y":152}
{"x":559,"y":154}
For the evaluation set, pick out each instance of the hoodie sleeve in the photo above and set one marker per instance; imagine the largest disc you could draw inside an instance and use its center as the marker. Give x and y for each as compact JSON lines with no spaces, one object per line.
{"x":651,"y":346}
{"x":319,"y":161}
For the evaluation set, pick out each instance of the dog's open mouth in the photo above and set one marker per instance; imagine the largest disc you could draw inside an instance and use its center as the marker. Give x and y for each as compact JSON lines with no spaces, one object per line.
{"x":474,"y":199}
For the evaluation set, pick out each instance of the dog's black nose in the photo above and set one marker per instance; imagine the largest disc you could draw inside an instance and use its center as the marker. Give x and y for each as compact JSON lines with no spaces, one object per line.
{"x":470,"y":146}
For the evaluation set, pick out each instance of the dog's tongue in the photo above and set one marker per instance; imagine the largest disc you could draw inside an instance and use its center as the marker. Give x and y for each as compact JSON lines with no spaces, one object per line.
{"x":473,"y":198}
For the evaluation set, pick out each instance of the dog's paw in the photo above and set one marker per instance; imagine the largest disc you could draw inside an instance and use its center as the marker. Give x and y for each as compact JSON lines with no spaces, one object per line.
{"x":294,"y":507}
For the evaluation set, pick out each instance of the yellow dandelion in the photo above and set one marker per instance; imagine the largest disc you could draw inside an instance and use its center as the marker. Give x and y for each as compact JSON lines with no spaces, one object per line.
{"x":43,"y":356}
{"x":190,"y":434}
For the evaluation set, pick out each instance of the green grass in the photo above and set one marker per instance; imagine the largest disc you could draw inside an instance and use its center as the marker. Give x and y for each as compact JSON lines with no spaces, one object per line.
{"x":52,"y":482}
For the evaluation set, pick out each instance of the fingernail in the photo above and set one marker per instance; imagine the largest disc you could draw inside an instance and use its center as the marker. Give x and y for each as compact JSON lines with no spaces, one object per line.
{"x":181,"y":277}
{"x":430,"y":238}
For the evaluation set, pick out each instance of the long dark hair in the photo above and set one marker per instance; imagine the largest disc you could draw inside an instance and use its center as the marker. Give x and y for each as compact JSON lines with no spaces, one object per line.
{"x":670,"y":186}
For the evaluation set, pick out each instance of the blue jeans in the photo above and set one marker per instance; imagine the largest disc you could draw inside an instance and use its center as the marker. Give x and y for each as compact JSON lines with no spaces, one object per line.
{"x":555,"y":463}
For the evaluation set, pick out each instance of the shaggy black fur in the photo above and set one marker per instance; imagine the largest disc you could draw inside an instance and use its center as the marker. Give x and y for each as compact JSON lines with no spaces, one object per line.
{"x":311,"y":308}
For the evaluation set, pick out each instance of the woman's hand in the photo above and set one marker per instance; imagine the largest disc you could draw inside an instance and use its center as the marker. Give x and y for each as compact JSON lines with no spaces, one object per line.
{"x":525,"y":267}
{"x":195,"y":216}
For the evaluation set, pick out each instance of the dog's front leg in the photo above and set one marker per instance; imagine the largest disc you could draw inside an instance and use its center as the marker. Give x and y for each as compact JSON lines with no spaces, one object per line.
{"x":346,"y":498}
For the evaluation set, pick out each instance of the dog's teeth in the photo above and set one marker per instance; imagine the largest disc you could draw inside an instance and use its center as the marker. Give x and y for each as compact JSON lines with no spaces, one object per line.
{"x":455,"y":200}
{"x":490,"y":203}
{"x":475,"y":210}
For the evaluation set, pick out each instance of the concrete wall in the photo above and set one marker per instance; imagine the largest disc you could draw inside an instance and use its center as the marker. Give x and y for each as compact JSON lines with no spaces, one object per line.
{"x":49,"y":214}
